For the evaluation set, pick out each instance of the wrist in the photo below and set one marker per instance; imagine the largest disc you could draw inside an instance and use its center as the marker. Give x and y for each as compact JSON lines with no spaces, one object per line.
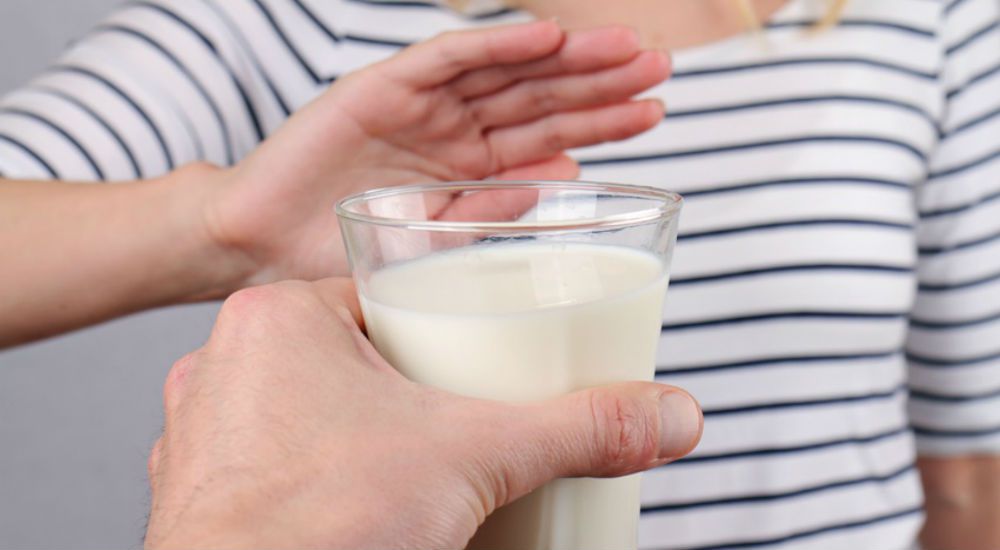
{"x":215,"y":269}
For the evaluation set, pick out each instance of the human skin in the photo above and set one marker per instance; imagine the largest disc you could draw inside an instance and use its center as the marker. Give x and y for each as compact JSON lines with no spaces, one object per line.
{"x":288,"y":430}
{"x":502,"y":103}
{"x":962,"y":493}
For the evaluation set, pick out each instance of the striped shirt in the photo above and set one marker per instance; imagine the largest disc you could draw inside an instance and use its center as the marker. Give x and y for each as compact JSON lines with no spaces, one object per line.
{"x":835,"y":302}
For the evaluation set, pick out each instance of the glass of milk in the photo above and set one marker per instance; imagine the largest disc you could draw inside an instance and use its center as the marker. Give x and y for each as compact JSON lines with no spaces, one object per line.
{"x":520,"y":291}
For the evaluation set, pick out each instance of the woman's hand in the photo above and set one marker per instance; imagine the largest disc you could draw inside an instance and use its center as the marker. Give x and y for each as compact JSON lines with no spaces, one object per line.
{"x":502,"y":103}
{"x":288,"y":430}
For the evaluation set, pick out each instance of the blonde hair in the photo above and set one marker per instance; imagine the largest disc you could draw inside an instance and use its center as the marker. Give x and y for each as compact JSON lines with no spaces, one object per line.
{"x":829,"y":19}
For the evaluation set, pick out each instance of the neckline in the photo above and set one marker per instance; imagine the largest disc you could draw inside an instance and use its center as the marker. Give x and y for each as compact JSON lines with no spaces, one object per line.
{"x":693,"y":54}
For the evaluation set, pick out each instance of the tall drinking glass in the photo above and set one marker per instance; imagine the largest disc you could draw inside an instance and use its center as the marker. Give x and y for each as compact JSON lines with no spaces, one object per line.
{"x":520,"y":291}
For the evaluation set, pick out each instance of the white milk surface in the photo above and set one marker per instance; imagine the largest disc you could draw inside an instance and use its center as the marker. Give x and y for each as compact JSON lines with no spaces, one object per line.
{"x":521,"y":322}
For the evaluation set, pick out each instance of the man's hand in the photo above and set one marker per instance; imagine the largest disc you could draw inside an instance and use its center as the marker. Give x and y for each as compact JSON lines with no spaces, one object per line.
{"x":288,"y":430}
{"x":502,"y":102}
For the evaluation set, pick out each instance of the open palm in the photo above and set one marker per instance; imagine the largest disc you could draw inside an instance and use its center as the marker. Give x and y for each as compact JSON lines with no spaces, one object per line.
{"x":502,"y":103}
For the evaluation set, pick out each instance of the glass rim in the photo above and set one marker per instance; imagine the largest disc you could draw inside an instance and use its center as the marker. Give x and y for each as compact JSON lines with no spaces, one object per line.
{"x":669,"y":204}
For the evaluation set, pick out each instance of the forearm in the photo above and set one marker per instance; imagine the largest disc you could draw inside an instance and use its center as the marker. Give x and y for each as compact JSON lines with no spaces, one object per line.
{"x":962,"y":501}
{"x":78,"y":254}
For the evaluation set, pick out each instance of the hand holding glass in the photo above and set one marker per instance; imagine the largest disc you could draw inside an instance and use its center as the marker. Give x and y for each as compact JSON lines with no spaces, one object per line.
{"x":520,"y":291}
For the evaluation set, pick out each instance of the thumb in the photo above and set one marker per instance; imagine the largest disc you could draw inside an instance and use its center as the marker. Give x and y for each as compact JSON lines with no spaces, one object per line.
{"x":600,"y":432}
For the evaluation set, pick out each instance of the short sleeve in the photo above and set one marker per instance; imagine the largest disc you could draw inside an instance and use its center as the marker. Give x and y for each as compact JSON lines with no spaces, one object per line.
{"x":953,"y":345}
{"x":157,"y":84}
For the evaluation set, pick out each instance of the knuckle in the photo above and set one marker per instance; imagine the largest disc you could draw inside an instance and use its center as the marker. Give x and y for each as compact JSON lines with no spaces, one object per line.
{"x":250,"y":311}
{"x":251,"y":300}
{"x":553,"y":139}
{"x":624,"y":431}
{"x":544,"y":98}
{"x":172,"y":385}
{"x":154,"y":461}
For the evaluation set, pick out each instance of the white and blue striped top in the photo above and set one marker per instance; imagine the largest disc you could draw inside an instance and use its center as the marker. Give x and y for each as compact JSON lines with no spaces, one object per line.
{"x":835,"y":302}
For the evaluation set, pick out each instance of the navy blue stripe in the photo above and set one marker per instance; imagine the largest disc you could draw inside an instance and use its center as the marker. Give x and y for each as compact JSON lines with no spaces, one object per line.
{"x":973,"y":81}
{"x":396,"y":4}
{"x":972,"y":38}
{"x":28,"y":151}
{"x":772,"y":451}
{"x":951,"y":7}
{"x":789,"y":268}
{"x":927,"y":324}
{"x":59,"y":130}
{"x":244,"y":96}
{"x":212,"y":105}
{"x":100,"y":120}
{"x":286,"y":41}
{"x":797,"y":181}
{"x":945,"y":287}
{"x":769,"y":361}
{"x":797,"y":223}
{"x":757,"y":145}
{"x":671,"y":114}
{"x":806,"y":403}
{"x":376,"y":41}
{"x":813,"y":532}
{"x":771,"y":497}
{"x":934,"y":432}
{"x":860,"y":61}
{"x":798,"y":315}
{"x":417,"y":4}
{"x":931,"y":250}
{"x":316,"y":21}
{"x":856,"y":23}
{"x":936,"y":362}
{"x":945,"y":398}
{"x":962,"y":208}
{"x":167,"y":155}
{"x":972,"y":123}
{"x":967,"y":166}
{"x":254,"y":60}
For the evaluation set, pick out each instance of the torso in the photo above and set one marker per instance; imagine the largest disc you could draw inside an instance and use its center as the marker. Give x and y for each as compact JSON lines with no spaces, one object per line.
{"x":793,"y":277}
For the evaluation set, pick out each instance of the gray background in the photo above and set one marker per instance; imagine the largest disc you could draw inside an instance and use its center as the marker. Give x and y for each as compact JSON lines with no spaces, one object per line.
{"x":79,"y":413}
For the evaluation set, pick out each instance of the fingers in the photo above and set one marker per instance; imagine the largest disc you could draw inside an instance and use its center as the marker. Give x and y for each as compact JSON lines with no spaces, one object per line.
{"x":450,"y":54}
{"x":508,"y":204}
{"x":559,"y":167}
{"x":603,"y":432}
{"x":583,"y":52}
{"x":544,"y":138}
{"x":532,"y":99}
{"x":491,"y":205}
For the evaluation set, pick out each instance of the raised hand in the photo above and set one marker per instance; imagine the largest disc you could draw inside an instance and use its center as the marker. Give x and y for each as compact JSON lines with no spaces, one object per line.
{"x":503,"y":103}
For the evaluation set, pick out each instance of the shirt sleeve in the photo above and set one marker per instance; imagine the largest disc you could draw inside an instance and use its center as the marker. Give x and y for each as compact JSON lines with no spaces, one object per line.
{"x":158,"y":84}
{"x":953,"y":345}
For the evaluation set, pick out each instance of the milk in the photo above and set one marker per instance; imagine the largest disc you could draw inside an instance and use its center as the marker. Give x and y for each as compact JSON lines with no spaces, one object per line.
{"x":520,"y":322}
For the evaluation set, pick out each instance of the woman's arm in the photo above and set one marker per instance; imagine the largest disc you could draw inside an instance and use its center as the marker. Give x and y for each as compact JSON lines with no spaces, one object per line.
{"x":954,"y":339}
{"x":963,"y":502}
{"x":78,"y":254}
{"x":503,"y":102}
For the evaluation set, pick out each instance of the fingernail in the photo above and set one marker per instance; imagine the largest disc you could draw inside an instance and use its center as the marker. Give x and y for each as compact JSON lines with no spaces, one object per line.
{"x":680,"y":427}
